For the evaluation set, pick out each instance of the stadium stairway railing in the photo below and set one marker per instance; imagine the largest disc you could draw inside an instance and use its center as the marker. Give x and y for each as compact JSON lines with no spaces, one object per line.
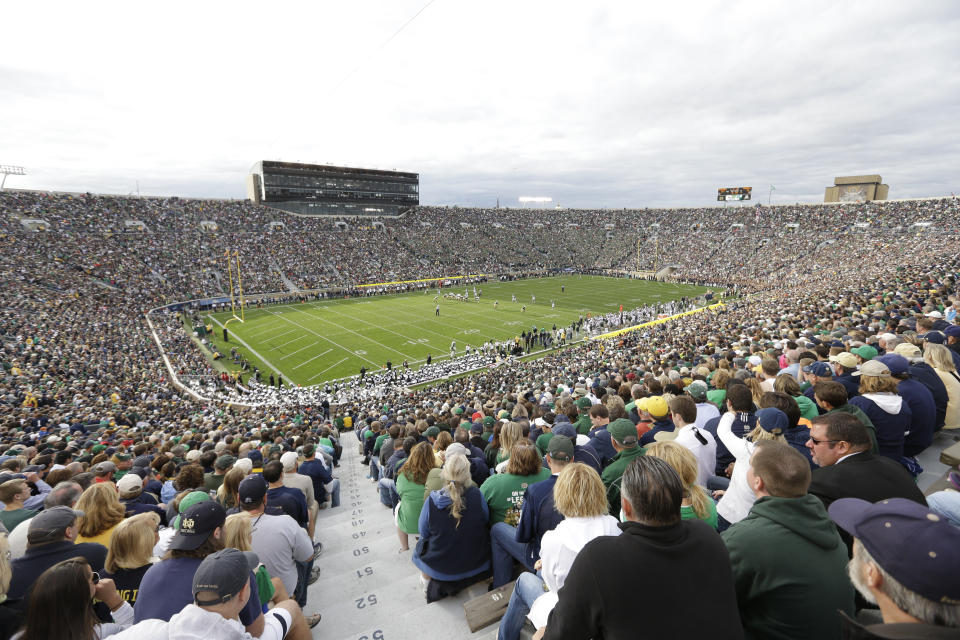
{"x":367,"y":590}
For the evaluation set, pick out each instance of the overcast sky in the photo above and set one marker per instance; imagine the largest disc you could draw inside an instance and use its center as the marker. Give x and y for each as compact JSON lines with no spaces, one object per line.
{"x":591,"y":103}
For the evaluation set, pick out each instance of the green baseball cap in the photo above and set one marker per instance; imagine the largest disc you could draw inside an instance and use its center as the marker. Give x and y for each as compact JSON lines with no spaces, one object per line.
{"x":623,"y":431}
{"x":560,"y":448}
{"x":192,"y":498}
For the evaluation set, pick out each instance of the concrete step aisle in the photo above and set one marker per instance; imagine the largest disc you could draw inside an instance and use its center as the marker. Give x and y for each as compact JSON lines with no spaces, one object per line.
{"x":367,"y":590}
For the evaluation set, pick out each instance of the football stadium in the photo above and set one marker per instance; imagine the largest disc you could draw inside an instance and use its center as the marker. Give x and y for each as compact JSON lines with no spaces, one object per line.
{"x":270,"y":398}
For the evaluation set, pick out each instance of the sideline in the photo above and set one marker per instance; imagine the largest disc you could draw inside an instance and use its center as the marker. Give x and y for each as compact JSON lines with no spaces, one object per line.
{"x":618,"y":332}
{"x":240,"y":340}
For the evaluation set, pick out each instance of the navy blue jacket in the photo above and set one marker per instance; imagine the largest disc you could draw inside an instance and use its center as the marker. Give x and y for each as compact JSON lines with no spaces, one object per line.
{"x":924,"y":411}
{"x":398,"y":458}
{"x":587,"y":455}
{"x":851,"y":384}
{"x":891,"y":428}
{"x":441,"y":548}
{"x":797,"y":438}
{"x":924,"y":374}
{"x":319,"y":475}
{"x":537,"y":516}
{"x":601,"y":442}
{"x":658,"y":426}
{"x":39,"y":558}
{"x":479,"y":471}
{"x":293,"y":503}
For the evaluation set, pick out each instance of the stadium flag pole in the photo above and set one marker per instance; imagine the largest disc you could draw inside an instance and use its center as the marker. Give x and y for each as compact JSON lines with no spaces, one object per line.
{"x":770,"y":195}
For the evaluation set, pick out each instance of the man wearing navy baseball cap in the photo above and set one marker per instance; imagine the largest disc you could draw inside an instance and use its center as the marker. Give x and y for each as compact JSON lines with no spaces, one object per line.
{"x":906,"y":559}
{"x":221,"y":591}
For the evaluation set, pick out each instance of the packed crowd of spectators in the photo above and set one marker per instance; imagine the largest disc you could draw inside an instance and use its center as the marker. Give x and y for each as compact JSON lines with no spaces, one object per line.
{"x":83,"y":384}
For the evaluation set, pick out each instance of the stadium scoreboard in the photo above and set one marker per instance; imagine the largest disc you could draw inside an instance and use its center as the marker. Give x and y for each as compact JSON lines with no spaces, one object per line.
{"x":314,"y":189}
{"x":734,"y":193}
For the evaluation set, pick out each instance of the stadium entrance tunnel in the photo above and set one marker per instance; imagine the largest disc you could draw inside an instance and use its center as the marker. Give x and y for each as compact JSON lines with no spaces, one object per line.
{"x":666,"y":271}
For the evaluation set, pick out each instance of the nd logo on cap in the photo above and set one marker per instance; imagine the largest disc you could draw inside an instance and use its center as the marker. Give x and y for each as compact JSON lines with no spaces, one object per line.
{"x":187,"y":525}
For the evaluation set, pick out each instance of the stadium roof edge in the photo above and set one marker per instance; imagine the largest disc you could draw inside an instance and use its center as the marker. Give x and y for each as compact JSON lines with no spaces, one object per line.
{"x":451,"y":206}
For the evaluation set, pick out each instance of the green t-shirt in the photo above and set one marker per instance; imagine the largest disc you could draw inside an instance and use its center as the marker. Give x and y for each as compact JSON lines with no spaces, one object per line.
{"x":212,"y":482}
{"x":11,"y":518}
{"x":504,"y":494}
{"x":411,"y":503}
{"x":686,"y":513}
{"x":583,"y":424}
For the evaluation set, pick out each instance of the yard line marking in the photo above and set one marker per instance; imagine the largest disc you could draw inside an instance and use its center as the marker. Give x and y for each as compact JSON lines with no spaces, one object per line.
{"x":303,"y":349}
{"x":308,"y":330}
{"x":325,"y":370}
{"x":314,"y":358}
{"x":252,"y":350}
{"x":288,"y":342}
{"x":378,"y":326}
{"x":266,"y":330}
{"x":278,"y":335}
{"x":336,"y":324}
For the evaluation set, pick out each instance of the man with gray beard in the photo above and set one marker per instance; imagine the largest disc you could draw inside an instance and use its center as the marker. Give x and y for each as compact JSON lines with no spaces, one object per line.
{"x":905,"y":560}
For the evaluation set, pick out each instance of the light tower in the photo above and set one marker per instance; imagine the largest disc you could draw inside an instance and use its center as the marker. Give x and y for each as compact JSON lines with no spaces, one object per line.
{"x":10,"y":170}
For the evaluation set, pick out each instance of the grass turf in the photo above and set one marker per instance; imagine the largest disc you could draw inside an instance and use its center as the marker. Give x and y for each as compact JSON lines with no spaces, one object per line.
{"x":312,"y":342}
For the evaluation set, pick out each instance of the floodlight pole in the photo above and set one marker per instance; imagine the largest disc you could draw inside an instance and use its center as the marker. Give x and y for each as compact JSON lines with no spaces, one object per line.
{"x":226,"y":254}
{"x":236,"y":254}
{"x":10,"y":170}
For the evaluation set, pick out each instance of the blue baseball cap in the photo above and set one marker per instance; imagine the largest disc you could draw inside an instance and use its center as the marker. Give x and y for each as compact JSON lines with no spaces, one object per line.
{"x":773,"y":420}
{"x":896,"y":363}
{"x":819,"y":369}
{"x":919,"y":548}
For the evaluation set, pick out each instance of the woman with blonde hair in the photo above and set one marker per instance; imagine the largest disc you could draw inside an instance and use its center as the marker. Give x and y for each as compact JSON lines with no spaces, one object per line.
{"x":102,"y":512}
{"x":238,"y":534}
{"x":131,"y":553}
{"x":736,"y":500}
{"x":884,"y":406}
{"x":454,"y":543}
{"x":938,"y":357}
{"x":696,"y":503}
{"x":510,"y":435}
{"x":756,"y":390}
{"x":411,"y":482}
{"x":580,"y":497}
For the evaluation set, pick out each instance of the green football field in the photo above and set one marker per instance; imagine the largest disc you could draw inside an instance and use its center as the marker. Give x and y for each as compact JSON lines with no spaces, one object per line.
{"x":312,"y":342}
